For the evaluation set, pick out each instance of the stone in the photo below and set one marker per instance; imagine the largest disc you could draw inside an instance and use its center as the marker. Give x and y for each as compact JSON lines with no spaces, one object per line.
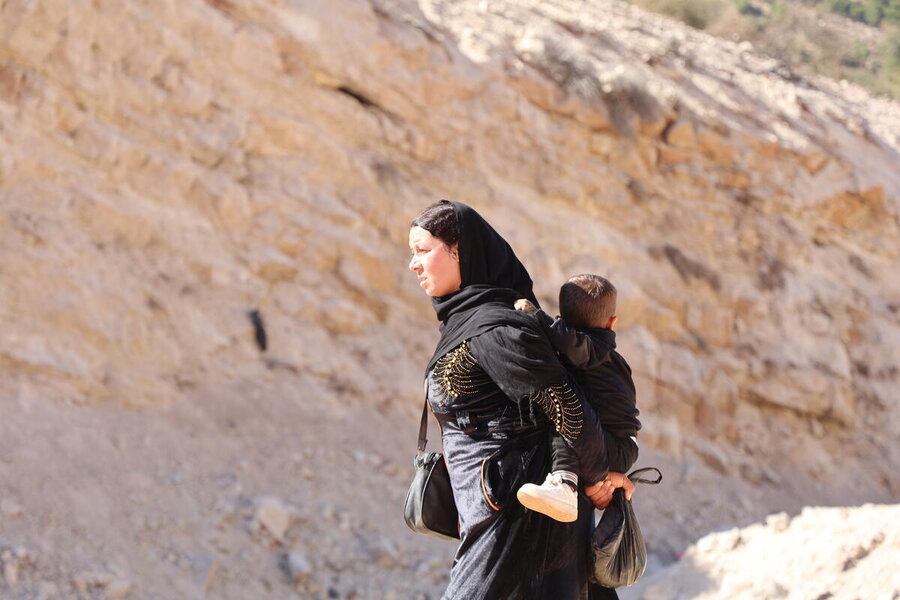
{"x":815,"y":161}
{"x":831,"y":566}
{"x":11,"y":573}
{"x":806,"y":393}
{"x":90,"y":580}
{"x":670,"y":155}
{"x":297,"y":567}
{"x":682,"y":134}
{"x":9,"y":509}
{"x":778,"y":522}
{"x":603,"y":143}
{"x":47,"y":590}
{"x":736,"y":179}
{"x":274,"y":516}
{"x":118,"y":589}
{"x":716,"y":146}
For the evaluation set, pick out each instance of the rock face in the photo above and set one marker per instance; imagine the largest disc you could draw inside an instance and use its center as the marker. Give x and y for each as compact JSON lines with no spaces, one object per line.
{"x":167,"y":168}
{"x":853,"y":561}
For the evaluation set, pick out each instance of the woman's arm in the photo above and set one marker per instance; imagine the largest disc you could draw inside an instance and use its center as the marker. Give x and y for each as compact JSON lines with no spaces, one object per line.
{"x":524,"y":365}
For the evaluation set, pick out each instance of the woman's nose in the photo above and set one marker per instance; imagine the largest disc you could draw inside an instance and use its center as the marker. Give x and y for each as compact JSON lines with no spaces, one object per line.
{"x":413,"y":264}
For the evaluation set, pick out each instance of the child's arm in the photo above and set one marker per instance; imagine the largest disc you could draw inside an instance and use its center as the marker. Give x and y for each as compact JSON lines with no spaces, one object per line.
{"x":622,"y":451}
{"x":576,"y":346}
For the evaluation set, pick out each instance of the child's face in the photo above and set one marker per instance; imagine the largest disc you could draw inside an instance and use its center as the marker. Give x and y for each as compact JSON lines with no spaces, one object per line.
{"x":436,"y":265}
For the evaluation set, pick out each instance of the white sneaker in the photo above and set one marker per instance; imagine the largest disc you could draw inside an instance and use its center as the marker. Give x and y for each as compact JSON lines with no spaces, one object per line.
{"x":554,"y":498}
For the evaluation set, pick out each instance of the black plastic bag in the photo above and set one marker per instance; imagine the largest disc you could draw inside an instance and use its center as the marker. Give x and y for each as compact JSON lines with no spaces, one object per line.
{"x":619,"y":553}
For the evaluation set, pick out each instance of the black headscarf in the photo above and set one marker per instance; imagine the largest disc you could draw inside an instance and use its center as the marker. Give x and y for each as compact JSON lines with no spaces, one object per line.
{"x":492,"y":280}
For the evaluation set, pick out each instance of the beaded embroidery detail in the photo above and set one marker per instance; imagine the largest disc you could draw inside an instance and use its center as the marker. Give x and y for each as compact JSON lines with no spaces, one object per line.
{"x":453,"y":372}
{"x":561,"y":405}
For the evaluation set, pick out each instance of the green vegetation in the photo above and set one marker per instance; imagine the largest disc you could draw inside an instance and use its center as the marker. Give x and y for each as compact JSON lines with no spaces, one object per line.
{"x":745,"y":7}
{"x":696,"y":13}
{"x":871,"y":12}
{"x":809,"y":36}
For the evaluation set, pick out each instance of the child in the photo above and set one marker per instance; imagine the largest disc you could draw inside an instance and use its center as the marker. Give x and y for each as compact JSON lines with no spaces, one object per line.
{"x":585,"y":340}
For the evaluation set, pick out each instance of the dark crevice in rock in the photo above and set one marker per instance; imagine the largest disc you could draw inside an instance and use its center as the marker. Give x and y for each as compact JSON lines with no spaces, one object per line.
{"x":687,"y":267}
{"x":259,"y":330}
{"x":862,"y":552}
{"x":359,"y":97}
{"x":771,"y":275}
{"x":857,"y":263}
{"x":226,"y":7}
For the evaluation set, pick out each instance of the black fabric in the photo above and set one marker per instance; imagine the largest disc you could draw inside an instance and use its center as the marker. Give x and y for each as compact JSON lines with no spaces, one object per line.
{"x":600,"y":370}
{"x":521,"y":362}
{"x":622,"y":453}
{"x":612,"y":383}
{"x":485,"y":258}
{"x":492,"y":280}
{"x":579,"y":349}
{"x":605,"y":378}
{"x":562,"y":457}
{"x":494,"y":436}
{"x":507,"y":552}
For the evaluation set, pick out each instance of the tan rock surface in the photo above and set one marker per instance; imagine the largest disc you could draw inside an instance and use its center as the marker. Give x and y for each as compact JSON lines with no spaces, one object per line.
{"x":166,"y":168}
{"x":789,"y":558}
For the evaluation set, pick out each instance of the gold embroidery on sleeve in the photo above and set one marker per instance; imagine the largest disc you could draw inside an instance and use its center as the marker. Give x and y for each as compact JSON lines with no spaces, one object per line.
{"x":453,"y":372}
{"x":561,"y":405}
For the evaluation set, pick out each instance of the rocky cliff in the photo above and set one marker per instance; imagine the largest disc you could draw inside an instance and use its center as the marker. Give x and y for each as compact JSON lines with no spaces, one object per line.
{"x":855,"y":559}
{"x":168,"y":169}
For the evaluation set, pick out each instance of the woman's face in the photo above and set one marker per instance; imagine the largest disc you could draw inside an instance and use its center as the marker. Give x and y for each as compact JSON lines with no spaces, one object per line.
{"x":436,"y":265}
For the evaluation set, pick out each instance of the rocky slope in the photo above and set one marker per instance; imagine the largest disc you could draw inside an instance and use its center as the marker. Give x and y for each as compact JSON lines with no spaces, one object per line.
{"x":855,"y":560}
{"x":168,"y":168}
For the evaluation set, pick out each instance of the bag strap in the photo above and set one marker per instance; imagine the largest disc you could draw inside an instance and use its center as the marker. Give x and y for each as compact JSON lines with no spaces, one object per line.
{"x":634,"y":479}
{"x":423,"y":427}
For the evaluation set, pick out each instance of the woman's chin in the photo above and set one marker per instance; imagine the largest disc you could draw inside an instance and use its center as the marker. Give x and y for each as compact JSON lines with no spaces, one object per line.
{"x":434,"y":293}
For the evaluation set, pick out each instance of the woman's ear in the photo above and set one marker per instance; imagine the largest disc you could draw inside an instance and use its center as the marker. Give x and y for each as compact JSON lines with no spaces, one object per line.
{"x":454,"y":251}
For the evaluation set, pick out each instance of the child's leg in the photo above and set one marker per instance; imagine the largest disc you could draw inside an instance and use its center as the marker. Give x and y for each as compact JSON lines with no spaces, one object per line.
{"x":563,"y":461}
{"x":557,"y":497}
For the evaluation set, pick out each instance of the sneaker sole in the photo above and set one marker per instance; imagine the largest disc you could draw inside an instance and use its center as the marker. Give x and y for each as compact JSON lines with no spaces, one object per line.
{"x":559,"y":512}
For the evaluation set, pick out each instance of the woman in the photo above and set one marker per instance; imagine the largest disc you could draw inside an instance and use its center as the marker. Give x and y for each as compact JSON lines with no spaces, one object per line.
{"x":496,"y":387}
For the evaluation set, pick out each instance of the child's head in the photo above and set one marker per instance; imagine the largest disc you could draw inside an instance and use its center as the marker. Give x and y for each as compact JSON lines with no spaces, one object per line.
{"x":588,"y":301}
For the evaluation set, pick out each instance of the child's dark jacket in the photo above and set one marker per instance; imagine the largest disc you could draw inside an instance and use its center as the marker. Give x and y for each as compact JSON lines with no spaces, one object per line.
{"x":605,"y":378}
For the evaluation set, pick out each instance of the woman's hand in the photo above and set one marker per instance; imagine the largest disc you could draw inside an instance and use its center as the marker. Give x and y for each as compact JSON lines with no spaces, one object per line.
{"x":601,"y":492}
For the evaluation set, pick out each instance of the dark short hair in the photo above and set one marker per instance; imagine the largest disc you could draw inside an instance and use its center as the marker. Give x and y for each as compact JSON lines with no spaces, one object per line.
{"x":587,"y":301}
{"x":439,"y":220}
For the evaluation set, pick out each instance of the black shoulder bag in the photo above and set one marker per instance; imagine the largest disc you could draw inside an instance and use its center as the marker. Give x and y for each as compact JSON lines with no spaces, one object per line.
{"x":430,"y":507}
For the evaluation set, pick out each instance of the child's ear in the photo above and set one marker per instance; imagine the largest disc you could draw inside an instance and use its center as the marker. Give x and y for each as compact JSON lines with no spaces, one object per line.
{"x":612,"y":322}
